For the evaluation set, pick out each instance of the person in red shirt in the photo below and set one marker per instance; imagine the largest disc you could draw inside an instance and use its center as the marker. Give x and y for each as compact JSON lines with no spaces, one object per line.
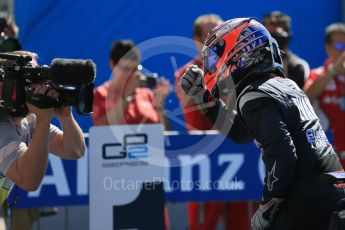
{"x":326,"y":86}
{"x":236,"y":215}
{"x":126,"y":98}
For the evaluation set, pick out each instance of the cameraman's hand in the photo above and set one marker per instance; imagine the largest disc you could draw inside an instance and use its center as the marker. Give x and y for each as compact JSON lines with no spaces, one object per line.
{"x":161,"y":92}
{"x":62,"y":113}
{"x":43,"y":114}
{"x":192,"y":83}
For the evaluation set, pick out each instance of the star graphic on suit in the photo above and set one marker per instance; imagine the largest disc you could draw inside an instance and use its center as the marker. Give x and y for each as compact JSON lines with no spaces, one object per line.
{"x":271,"y":178}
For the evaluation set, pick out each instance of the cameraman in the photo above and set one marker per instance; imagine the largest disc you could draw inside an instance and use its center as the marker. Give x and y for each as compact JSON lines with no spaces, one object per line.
{"x":124,"y":99}
{"x":26,"y":141}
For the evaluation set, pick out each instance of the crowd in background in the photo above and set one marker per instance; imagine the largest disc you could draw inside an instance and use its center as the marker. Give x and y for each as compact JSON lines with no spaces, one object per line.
{"x":129,"y":98}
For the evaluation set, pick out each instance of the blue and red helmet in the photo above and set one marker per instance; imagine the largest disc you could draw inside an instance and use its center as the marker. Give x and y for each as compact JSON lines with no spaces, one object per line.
{"x":241,"y":49}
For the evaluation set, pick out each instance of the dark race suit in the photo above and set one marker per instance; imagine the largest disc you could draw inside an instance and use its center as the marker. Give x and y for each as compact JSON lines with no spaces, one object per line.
{"x":278,"y":116}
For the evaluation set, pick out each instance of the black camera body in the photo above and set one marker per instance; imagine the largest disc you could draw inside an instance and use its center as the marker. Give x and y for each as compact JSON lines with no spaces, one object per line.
{"x":149,"y":80}
{"x":73,"y":79}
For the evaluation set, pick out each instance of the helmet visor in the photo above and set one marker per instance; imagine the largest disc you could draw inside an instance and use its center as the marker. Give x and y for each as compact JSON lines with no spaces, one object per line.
{"x":211,"y":56}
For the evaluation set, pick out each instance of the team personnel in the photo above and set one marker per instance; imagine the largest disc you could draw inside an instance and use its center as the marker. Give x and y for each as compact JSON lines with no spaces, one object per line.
{"x":279,"y":26}
{"x":326,"y":86}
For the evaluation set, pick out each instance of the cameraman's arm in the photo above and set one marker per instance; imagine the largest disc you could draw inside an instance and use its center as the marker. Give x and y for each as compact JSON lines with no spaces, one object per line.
{"x":28,"y":170}
{"x":163,"y":118}
{"x":161,"y":92}
{"x":70,"y":143}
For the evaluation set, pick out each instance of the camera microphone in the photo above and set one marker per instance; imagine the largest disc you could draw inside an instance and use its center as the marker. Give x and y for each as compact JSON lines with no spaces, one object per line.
{"x":72,"y":71}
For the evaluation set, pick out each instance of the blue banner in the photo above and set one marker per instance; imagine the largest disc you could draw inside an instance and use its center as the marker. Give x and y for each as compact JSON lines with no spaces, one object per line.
{"x":198,"y":168}
{"x":211,"y":168}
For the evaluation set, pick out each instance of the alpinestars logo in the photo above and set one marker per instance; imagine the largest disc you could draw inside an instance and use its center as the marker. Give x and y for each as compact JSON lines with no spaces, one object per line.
{"x":271,"y":177}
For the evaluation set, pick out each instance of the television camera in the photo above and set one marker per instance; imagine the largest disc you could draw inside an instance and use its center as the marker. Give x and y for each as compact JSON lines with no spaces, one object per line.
{"x":73,"y":79}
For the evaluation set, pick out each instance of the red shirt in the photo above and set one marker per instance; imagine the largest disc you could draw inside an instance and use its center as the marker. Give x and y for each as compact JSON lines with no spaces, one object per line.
{"x":332,"y":102}
{"x":195,"y":120}
{"x":139,"y":108}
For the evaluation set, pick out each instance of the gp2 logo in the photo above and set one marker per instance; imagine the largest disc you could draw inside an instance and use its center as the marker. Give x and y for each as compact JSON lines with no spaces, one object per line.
{"x":134,"y":146}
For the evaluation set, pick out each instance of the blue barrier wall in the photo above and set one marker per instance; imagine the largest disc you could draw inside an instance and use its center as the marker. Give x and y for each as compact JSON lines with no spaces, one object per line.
{"x":85,"y":29}
{"x":205,"y":167}
{"x":197,"y":168}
